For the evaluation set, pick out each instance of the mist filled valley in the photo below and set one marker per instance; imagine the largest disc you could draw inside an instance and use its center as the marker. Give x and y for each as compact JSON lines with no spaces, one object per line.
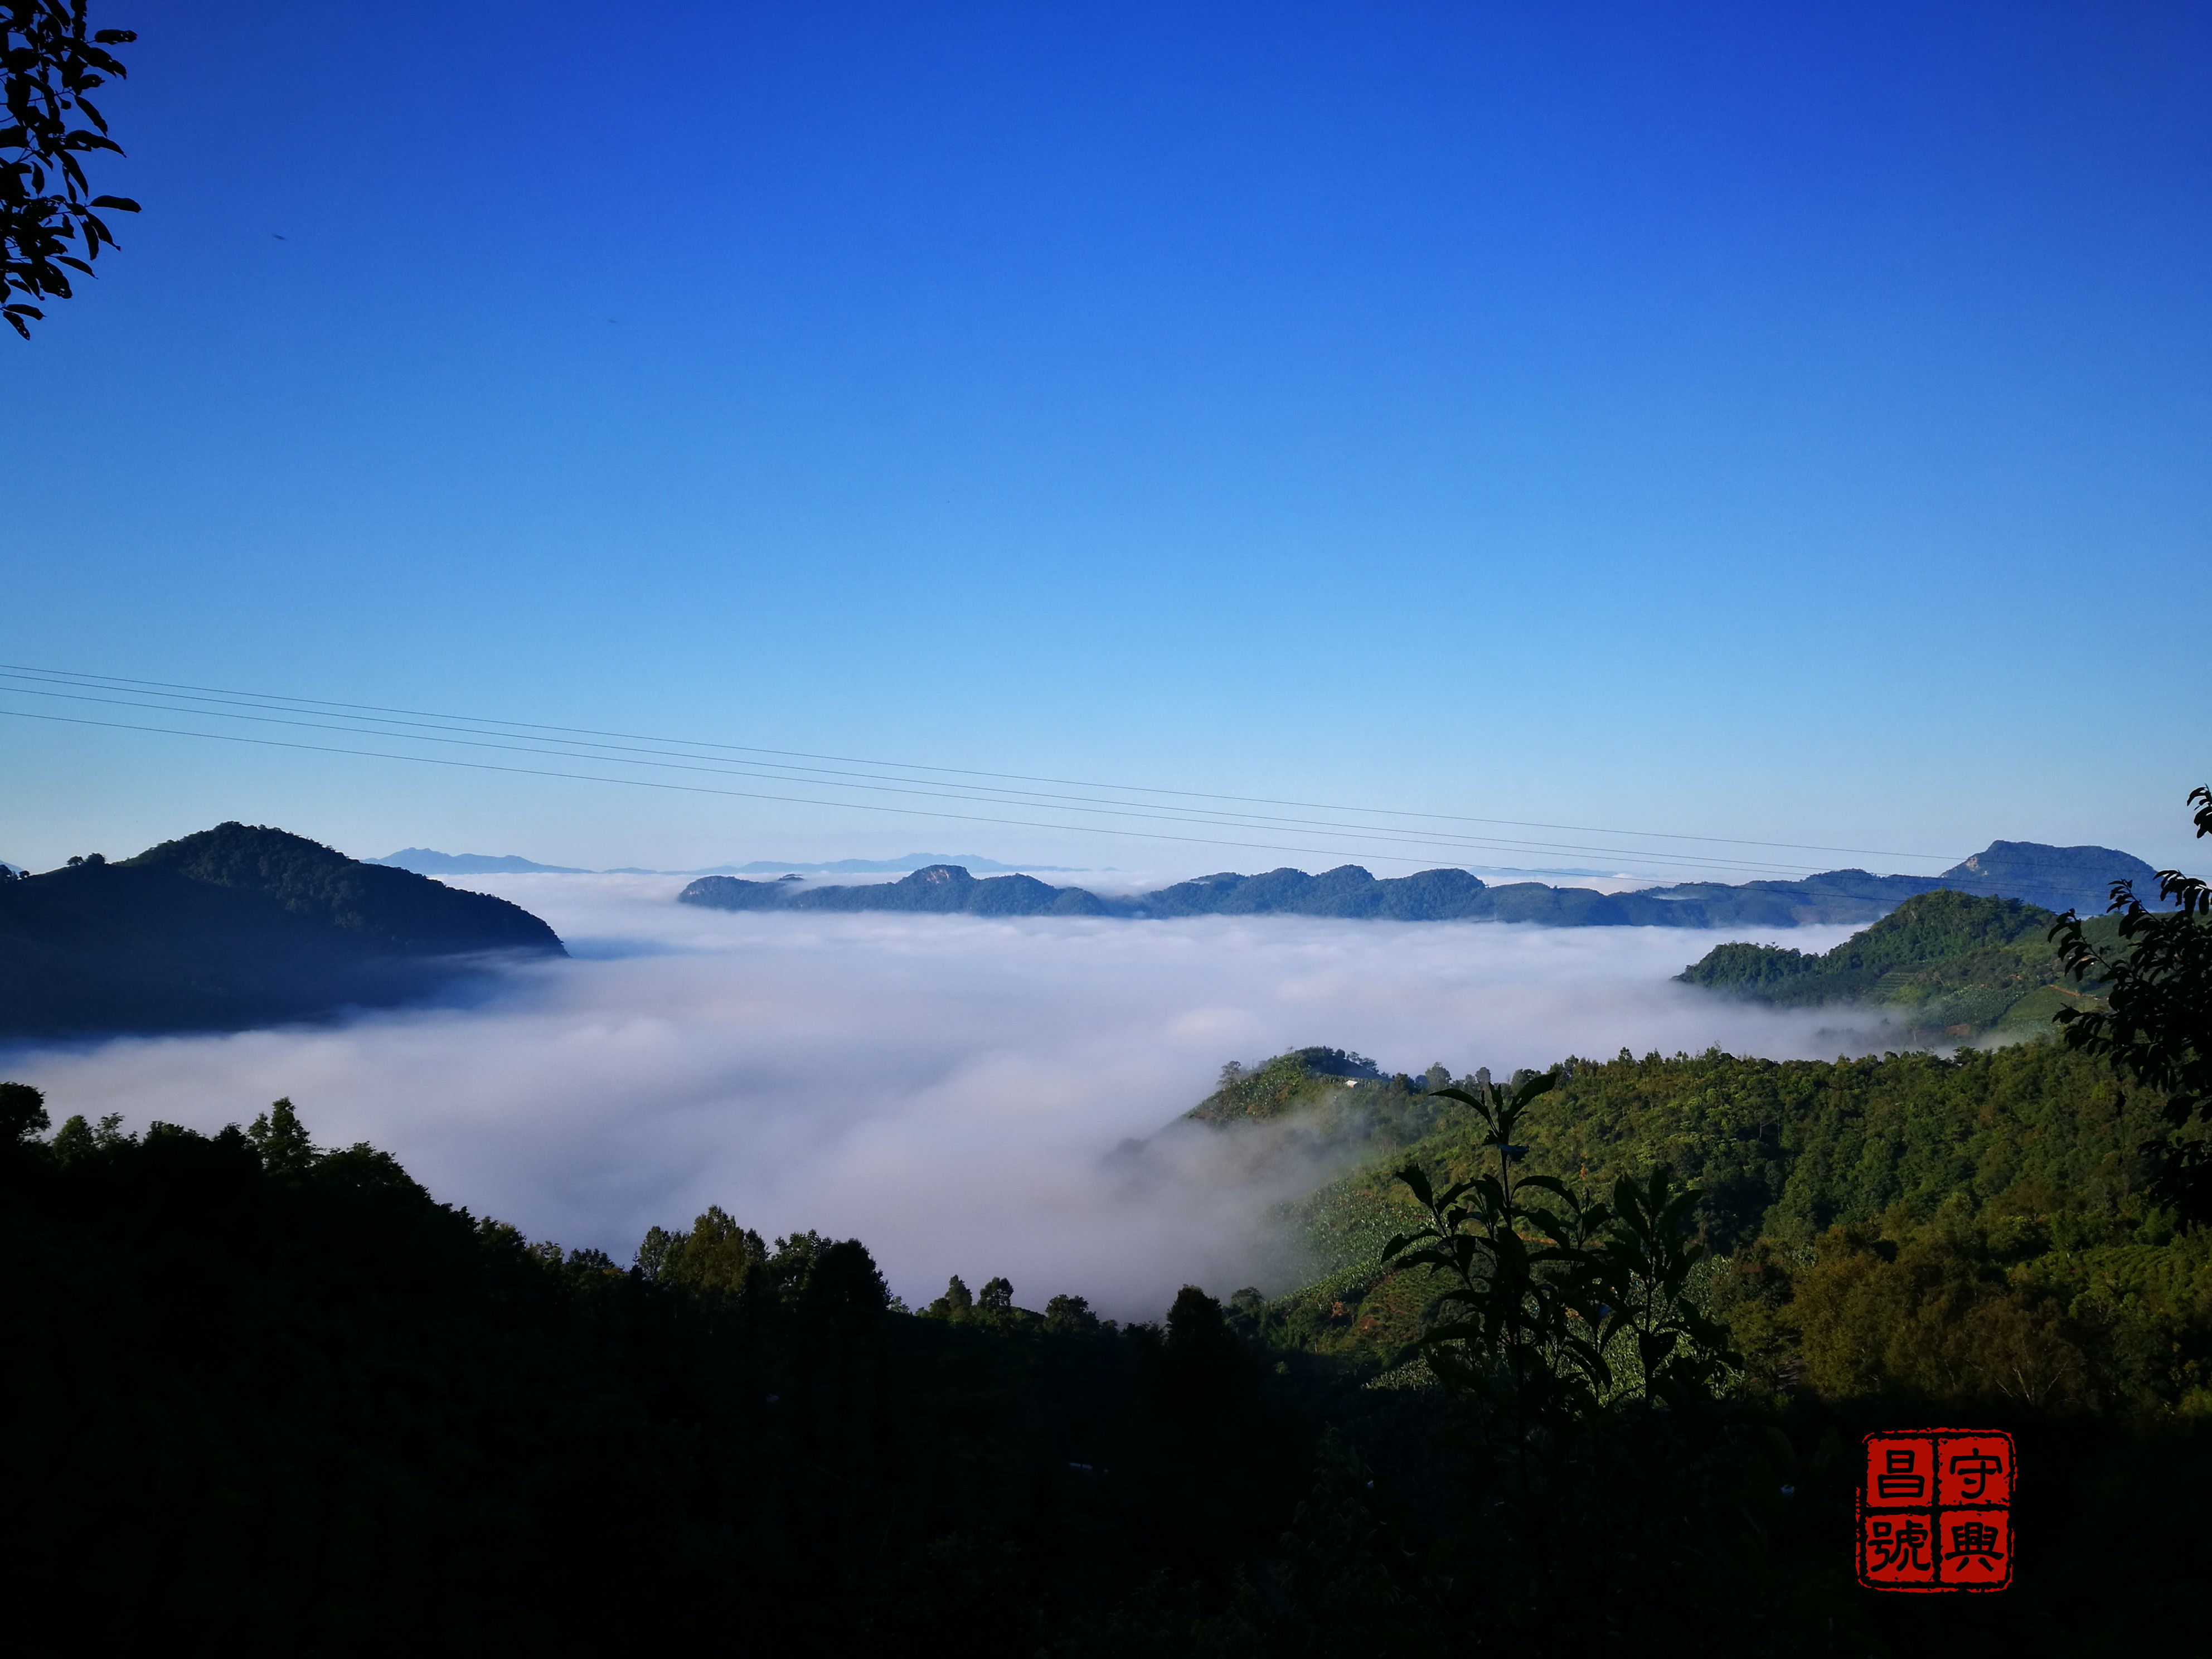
{"x":1096,"y":1261}
{"x":949,"y":1089}
{"x":1570,"y":1009}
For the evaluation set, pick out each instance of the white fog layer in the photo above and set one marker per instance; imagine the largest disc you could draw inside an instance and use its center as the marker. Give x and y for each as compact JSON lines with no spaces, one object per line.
{"x":948,"y":1089}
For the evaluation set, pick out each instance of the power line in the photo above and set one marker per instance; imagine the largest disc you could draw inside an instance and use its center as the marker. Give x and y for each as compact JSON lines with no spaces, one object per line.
{"x":686,"y":788}
{"x":378,"y":721}
{"x":1064,"y":804}
{"x":461,"y":721}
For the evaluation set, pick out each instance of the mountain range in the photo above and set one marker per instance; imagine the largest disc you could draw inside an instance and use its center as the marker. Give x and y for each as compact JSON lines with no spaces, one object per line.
{"x":239,"y":926}
{"x":2056,"y":877}
{"x":235,"y":926}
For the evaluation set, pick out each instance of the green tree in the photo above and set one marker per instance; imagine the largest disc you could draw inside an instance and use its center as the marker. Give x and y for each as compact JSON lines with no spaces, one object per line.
{"x":994,"y":1303}
{"x":2156,"y":1022}
{"x":282,"y":1139}
{"x":78,"y":1139}
{"x":957,"y":1304}
{"x":1070,"y":1315}
{"x":1920,"y":1315}
{"x":22,"y":1114}
{"x":51,"y":60}
{"x":715,"y":1258}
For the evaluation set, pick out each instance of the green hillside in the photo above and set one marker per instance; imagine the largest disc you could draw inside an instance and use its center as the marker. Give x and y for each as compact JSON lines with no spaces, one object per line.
{"x":1339,"y":1096}
{"x":234,"y":927}
{"x":936,"y":889}
{"x":1944,"y":964}
{"x":2032,"y":1161}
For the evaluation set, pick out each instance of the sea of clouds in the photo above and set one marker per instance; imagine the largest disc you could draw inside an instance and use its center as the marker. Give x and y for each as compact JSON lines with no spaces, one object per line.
{"x":952,"y":1090}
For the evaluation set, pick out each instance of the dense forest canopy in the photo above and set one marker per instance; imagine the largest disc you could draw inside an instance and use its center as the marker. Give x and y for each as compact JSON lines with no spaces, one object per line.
{"x":1943,"y":965}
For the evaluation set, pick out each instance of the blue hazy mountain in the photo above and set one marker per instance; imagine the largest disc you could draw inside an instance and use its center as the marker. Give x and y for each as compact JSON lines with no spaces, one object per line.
{"x":236,"y":927}
{"x":970,"y":861}
{"x":427,"y":861}
{"x":2055,"y":878}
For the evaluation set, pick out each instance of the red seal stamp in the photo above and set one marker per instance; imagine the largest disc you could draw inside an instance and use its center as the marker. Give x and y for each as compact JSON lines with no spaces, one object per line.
{"x":1936,"y":1509}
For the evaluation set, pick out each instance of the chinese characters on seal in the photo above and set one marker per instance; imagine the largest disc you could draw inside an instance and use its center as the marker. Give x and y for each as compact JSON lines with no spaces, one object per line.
{"x":1936,"y":1509}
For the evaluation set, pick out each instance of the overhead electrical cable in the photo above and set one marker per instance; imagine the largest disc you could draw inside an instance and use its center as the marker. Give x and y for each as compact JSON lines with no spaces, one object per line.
{"x":952,"y":784}
{"x":692,"y":788}
{"x":1070,"y":804}
{"x":67,"y":676}
{"x":1489,"y":845}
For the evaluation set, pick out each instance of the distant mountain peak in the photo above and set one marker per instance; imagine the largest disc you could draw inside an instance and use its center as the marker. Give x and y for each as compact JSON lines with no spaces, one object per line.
{"x":2056,"y":877}
{"x":429,"y":861}
{"x":905,"y":864}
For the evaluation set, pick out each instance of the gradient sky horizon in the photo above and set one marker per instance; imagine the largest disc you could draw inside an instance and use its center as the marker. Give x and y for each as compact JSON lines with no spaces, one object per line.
{"x":1787,"y":423}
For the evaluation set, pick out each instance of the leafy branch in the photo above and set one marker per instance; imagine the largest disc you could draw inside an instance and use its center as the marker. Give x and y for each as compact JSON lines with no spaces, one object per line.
{"x":2156,"y":1020}
{"x":51,"y":61}
{"x":1555,"y":1307}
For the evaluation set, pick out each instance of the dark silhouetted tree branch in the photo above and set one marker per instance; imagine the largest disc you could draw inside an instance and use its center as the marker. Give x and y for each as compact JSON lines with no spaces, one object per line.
{"x":46,"y":213}
{"x":2157,"y":1021}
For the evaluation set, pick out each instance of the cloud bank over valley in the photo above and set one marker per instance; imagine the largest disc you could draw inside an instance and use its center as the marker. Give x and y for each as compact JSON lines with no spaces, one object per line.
{"x":949,"y":1089}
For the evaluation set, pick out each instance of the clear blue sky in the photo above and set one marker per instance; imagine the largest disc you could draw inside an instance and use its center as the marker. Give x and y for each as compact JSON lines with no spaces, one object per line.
{"x":1780,"y":421}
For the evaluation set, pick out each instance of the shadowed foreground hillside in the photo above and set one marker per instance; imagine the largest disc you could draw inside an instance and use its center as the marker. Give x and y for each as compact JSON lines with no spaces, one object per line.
{"x":281,"y":1398}
{"x":232,"y":927}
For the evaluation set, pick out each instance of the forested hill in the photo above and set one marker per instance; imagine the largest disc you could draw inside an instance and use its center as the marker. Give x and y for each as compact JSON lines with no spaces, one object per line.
{"x":2060,"y":878}
{"x":2032,"y":1162}
{"x":1946,"y":963}
{"x":280,"y":1397}
{"x":234,"y":927}
{"x":944,"y":889}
